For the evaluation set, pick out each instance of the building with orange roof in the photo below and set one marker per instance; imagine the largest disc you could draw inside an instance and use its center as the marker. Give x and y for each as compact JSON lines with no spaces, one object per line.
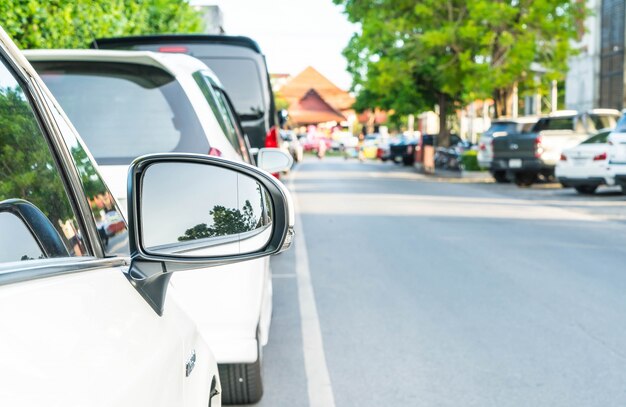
{"x":314,"y":99}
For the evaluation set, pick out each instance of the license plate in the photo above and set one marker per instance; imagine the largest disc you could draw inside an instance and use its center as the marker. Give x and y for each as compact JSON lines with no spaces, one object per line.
{"x":579,"y":161}
{"x":515,"y":163}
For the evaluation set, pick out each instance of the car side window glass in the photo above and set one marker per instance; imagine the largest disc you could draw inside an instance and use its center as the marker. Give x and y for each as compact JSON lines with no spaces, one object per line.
{"x":239,"y":136}
{"x":111,"y":226}
{"x":17,"y":243}
{"x":29,"y":172}
{"x":218,"y":108}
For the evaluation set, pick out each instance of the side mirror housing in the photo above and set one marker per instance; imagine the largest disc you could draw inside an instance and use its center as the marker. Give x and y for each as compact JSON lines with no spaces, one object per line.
{"x":191,"y":211}
{"x":274,"y":160}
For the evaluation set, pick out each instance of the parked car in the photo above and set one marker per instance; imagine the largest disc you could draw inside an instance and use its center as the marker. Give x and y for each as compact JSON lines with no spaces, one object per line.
{"x":617,"y":152}
{"x":384,"y":151}
{"x":586,"y":166}
{"x":291,"y":144}
{"x":369,"y":147}
{"x":527,"y":157}
{"x":239,"y":64}
{"x":402,"y":150}
{"x":91,"y":322}
{"x":499,"y":128}
{"x":130,"y":103}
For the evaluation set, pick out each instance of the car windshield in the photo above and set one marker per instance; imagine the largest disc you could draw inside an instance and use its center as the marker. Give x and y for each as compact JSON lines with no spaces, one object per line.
{"x":241,"y":79}
{"x":124,"y":110}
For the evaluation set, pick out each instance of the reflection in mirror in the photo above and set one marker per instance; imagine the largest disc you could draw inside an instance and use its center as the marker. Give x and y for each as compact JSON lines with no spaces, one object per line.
{"x":199,"y":210}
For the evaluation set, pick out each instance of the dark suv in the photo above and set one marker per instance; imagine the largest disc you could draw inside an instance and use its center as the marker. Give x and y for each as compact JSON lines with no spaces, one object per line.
{"x":240,"y":66}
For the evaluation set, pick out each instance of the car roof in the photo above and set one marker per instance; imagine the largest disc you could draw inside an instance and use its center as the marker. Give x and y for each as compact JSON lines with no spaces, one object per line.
{"x":175,"y":64}
{"x":235,"y":40}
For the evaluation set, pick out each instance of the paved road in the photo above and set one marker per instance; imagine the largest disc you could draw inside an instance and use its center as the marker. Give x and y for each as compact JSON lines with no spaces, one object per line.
{"x":452,"y":294}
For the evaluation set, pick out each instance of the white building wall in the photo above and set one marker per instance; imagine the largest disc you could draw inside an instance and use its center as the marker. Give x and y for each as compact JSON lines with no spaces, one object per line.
{"x":582,"y":83}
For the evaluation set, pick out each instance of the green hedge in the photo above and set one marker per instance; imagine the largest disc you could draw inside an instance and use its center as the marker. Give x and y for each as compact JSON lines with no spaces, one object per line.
{"x":469,"y":161}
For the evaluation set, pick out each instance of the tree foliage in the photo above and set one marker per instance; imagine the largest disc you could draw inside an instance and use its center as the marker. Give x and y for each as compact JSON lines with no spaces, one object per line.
{"x":75,"y":23}
{"x":410,"y":55}
{"x":226,"y":222}
{"x":27,"y":168}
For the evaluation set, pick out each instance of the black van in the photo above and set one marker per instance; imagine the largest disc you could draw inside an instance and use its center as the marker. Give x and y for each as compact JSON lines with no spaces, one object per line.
{"x":239,"y":64}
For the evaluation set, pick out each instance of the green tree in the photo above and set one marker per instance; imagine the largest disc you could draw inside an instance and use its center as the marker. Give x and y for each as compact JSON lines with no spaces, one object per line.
{"x":226,"y":222}
{"x":75,"y":23}
{"x":409,"y":56}
{"x":27,"y":169}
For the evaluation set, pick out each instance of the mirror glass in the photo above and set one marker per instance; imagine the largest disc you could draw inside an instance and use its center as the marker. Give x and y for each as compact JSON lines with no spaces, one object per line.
{"x":274,"y":160}
{"x":202,"y":210}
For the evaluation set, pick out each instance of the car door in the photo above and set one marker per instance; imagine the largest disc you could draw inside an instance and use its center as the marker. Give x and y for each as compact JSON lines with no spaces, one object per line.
{"x":74,"y":330}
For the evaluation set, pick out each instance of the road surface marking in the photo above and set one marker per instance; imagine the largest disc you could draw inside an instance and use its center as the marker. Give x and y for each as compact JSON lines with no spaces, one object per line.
{"x":286,"y":275}
{"x":318,"y":380}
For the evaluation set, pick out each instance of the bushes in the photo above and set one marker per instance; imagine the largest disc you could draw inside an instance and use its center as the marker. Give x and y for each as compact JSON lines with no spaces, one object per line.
{"x":469,"y":161}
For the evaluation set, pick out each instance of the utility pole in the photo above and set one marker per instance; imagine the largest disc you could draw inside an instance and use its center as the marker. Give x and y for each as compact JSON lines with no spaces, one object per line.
{"x":554,"y":97}
{"x":515,"y":107}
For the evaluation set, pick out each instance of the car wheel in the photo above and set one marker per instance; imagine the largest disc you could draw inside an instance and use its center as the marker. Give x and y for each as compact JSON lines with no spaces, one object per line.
{"x":407,"y":161}
{"x":241,"y":382}
{"x":500,"y":177}
{"x":586,"y":189}
{"x":525,"y":179}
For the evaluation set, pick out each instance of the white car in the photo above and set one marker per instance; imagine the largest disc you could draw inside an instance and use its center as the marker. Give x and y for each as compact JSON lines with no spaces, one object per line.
{"x":617,"y":152}
{"x":86,"y":323}
{"x":129,"y":103}
{"x":586,"y":166}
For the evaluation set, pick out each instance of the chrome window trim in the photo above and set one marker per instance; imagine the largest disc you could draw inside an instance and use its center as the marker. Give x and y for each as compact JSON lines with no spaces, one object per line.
{"x":55,"y":267}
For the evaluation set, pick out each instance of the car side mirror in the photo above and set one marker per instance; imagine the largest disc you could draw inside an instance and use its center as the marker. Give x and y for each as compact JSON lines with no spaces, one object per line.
{"x":191,"y":211}
{"x":274,"y":160}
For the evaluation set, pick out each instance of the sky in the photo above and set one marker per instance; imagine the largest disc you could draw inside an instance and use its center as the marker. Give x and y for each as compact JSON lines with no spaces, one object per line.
{"x":293,"y":34}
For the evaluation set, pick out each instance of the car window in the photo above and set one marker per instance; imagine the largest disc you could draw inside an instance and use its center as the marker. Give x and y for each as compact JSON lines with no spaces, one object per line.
{"x":599,"y":138}
{"x":242,"y":143}
{"x":219,"y":109}
{"x":124,"y":110}
{"x":242,"y":81}
{"x":555,"y":123}
{"x":508,"y":127}
{"x":526,"y":127}
{"x":602,"y":121}
{"x":17,"y":242}
{"x":30,"y":173}
{"x":111,"y":226}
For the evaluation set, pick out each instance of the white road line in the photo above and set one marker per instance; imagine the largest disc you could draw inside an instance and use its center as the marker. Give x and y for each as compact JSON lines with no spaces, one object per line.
{"x":286,"y":275}
{"x":318,"y":380}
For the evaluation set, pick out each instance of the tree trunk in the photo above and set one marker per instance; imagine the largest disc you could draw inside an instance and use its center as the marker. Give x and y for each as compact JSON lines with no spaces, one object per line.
{"x":502,"y":99}
{"x":444,"y":134}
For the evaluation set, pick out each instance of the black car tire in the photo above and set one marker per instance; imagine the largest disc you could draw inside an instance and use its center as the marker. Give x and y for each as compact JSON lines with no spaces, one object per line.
{"x":500,"y":177}
{"x":586,"y":189}
{"x":407,"y":161}
{"x":241,"y":382}
{"x":525,"y":179}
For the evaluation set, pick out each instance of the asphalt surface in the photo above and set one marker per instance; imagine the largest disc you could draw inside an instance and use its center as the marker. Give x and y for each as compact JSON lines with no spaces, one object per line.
{"x":449,"y":293}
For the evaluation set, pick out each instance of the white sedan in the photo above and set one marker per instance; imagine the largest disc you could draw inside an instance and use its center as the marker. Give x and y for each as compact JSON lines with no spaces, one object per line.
{"x":586,"y":166}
